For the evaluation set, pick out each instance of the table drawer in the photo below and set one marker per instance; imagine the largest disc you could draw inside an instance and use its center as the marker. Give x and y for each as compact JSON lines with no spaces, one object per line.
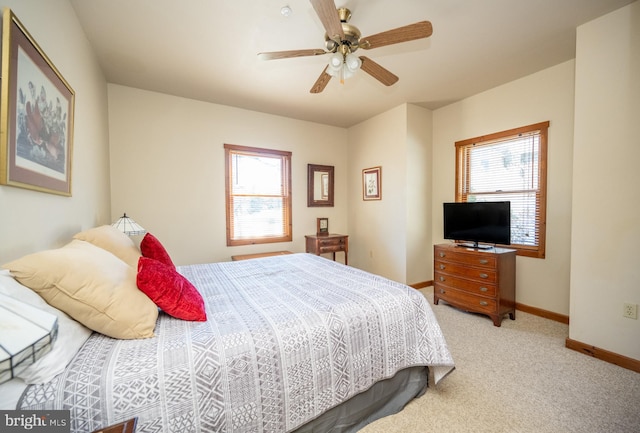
{"x":479,"y":260}
{"x":331,"y":248}
{"x":466,"y":300}
{"x":471,"y":286}
{"x":331,"y":242}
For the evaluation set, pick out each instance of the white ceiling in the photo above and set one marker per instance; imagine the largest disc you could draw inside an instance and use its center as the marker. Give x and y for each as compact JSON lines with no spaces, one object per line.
{"x":207,"y":50}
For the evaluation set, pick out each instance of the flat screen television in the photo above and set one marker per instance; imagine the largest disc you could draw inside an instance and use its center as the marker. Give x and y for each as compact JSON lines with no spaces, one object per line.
{"x":488,"y":222}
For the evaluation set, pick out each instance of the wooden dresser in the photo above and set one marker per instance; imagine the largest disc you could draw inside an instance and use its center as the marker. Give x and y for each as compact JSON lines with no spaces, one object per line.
{"x":320,"y":244}
{"x":480,"y":281}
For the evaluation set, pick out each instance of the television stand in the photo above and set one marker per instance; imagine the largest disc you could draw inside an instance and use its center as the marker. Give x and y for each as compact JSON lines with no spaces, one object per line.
{"x":475,"y":245}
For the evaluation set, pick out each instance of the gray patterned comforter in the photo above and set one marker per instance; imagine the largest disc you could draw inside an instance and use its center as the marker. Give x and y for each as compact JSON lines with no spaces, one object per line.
{"x":287,"y":338}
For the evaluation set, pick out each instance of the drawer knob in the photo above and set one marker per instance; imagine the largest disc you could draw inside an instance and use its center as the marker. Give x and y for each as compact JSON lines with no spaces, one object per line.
{"x":484,"y":303}
{"x":442,"y":254}
{"x":442,"y":278}
{"x":442,"y":291}
{"x":483,"y":289}
{"x":442,"y":266}
{"x":484,"y":261}
{"x":484,"y":275}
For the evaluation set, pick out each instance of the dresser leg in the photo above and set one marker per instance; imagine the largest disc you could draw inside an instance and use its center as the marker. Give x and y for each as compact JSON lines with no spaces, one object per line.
{"x":497,"y":320}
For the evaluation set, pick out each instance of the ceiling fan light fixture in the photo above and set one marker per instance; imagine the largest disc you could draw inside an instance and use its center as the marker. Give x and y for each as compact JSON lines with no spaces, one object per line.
{"x":343,"y":66}
{"x":352,"y":62}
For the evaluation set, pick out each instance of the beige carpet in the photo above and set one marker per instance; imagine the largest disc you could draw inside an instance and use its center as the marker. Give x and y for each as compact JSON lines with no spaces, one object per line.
{"x":519,"y":378}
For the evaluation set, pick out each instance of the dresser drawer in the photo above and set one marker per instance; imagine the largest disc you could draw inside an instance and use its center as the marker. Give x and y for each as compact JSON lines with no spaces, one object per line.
{"x":459,"y":269}
{"x":475,"y":259}
{"x":471,"y":286}
{"x":466,"y":300}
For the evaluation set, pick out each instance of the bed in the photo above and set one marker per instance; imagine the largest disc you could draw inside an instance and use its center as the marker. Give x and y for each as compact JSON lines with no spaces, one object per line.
{"x":290,"y":343}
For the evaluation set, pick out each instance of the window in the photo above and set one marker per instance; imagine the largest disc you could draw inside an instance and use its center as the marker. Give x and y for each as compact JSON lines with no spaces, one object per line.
{"x":509,"y":165}
{"x":258,"y":195}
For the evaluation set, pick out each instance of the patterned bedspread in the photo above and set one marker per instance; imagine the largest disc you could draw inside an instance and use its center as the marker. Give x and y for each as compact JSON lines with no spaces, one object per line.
{"x":287,"y":338}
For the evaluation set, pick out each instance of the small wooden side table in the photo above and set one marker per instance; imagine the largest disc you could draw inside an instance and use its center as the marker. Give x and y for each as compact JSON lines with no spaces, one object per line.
{"x":128,"y":426}
{"x":320,"y":244}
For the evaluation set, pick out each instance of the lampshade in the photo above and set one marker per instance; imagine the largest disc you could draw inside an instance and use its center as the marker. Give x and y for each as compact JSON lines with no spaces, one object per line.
{"x":343,"y":65}
{"x":26,"y":335}
{"x":128,"y":226}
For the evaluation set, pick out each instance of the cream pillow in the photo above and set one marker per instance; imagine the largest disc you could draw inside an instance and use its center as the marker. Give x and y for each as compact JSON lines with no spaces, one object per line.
{"x":113,"y":240}
{"x":91,"y":285}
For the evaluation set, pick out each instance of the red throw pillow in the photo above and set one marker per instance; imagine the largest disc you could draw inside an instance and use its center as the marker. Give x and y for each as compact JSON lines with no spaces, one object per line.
{"x":170,"y":291}
{"x":152,"y":248}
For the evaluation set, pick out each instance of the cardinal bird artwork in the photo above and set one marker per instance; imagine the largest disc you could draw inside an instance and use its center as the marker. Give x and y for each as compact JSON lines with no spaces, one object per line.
{"x":41,"y":128}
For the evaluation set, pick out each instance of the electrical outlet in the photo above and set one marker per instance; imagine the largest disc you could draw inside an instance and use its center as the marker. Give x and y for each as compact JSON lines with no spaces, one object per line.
{"x":630,"y":310}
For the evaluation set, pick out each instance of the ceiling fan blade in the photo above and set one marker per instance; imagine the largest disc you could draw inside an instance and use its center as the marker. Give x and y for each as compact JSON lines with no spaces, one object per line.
{"x":273,"y":55}
{"x":420,"y":30}
{"x":328,"y":14}
{"x":378,"y":72}
{"x":321,"y":82}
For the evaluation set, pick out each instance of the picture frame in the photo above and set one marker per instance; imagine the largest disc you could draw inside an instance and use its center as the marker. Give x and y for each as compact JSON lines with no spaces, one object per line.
{"x":37,"y":112}
{"x":320,"y":185}
{"x":322,"y":226}
{"x":372,"y":183}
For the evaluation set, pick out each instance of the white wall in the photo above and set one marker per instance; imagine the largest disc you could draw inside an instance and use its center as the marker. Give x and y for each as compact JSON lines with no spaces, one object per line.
{"x":546,"y":95}
{"x":418,"y":190}
{"x":167,"y":169}
{"x":30,"y":220}
{"x":377,"y":228}
{"x":391,"y":237}
{"x":605,"y":265}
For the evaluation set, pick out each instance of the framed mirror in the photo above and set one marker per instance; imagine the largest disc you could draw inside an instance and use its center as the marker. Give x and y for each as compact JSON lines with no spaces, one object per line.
{"x":319,"y":185}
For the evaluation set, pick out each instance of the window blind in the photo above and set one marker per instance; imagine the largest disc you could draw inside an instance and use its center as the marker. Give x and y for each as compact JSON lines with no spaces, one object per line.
{"x":258,"y":196}
{"x":508,"y":166}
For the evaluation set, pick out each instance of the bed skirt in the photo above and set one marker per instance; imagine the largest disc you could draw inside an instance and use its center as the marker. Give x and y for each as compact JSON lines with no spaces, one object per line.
{"x":384,"y":398}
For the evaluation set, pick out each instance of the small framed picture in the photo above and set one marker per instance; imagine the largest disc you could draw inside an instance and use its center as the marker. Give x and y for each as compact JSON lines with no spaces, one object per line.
{"x":372,"y":183}
{"x":323,"y":226}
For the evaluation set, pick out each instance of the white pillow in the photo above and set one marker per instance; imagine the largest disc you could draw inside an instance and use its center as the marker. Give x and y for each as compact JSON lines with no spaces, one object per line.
{"x":71,"y":334}
{"x":10,"y":393}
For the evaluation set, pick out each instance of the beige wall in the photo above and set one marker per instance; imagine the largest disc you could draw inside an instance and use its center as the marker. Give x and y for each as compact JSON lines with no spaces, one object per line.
{"x":546,"y":95}
{"x":391,"y":237}
{"x":167,"y":160}
{"x":418,"y":190}
{"x":605,"y":261}
{"x":30,"y":220}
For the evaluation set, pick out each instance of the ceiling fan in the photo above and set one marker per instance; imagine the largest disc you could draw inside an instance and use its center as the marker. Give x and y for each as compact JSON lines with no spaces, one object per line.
{"x":343,"y":39}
